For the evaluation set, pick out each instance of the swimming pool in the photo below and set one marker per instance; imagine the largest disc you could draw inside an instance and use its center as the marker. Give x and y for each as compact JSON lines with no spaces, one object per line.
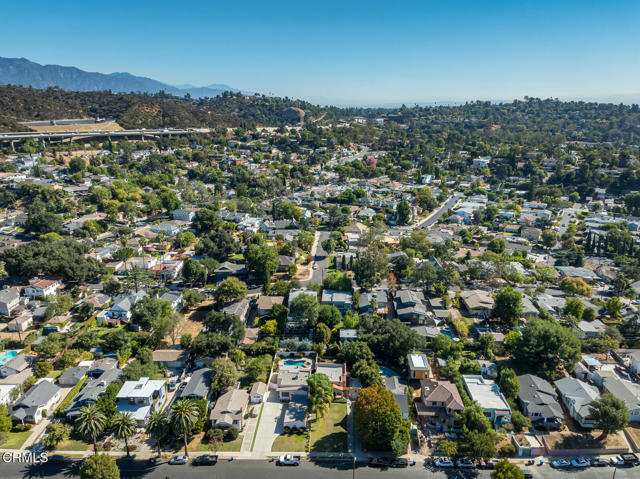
{"x":295,"y":362}
{"x":7,"y":356}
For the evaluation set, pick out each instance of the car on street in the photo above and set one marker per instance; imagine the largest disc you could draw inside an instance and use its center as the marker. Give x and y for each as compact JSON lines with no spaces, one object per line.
{"x":560,"y":463}
{"x":399,"y":463}
{"x":580,"y":462}
{"x":315,"y":265}
{"x":599,"y":462}
{"x":443,"y":462}
{"x":616,"y":461}
{"x":490,"y":464}
{"x":205,"y":460}
{"x":379,"y":461}
{"x":465,"y":464}
{"x":527,"y":473}
{"x":288,"y":460}
{"x":178,"y":460}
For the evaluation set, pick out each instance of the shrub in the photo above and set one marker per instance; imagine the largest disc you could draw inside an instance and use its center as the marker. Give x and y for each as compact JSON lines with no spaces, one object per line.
{"x":507,"y":450}
{"x":231,"y":434}
{"x":43,"y":368}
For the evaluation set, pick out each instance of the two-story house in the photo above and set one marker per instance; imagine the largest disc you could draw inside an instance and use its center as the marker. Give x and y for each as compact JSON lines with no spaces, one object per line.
{"x":418,"y":366}
{"x":141,"y":398}
{"x":540,"y":402}
{"x":9,"y":300}
{"x":577,"y":397}
{"x":40,"y":288}
{"x":122,"y":307}
{"x":342,"y":300}
{"x":92,"y":390}
{"x":439,"y":402}
{"x":410,"y":306}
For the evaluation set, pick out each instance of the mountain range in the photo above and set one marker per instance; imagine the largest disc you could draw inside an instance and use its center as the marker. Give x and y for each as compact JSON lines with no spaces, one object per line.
{"x":22,"y":72}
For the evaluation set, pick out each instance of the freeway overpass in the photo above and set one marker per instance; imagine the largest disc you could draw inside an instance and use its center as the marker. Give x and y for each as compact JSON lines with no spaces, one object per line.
{"x":44,"y":136}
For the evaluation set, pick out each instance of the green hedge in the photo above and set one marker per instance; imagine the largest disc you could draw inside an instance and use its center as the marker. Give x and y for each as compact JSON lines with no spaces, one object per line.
{"x":67,"y":401}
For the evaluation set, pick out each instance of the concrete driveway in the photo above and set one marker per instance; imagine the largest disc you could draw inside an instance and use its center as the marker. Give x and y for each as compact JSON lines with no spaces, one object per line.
{"x":271,"y":425}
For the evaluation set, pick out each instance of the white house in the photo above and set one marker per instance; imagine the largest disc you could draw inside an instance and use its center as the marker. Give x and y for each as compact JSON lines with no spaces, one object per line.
{"x":42,"y":287}
{"x":184,"y":214}
{"x":9,"y":300}
{"x":487,"y":393}
{"x":577,"y":397}
{"x":141,"y":398}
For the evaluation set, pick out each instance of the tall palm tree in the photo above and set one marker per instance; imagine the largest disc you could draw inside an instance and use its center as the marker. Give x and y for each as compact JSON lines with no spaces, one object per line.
{"x":123,"y":426}
{"x":91,"y":423}
{"x":157,"y":426}
{"x":184,"y":415}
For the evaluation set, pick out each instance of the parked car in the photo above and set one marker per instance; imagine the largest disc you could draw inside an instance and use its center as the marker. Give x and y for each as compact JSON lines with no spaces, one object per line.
{"x":528,"y":474}
{"x":560,"y":463}
{"x":490,"y":464}
{"x":399,"y":463}
{"x":379,"y":461}
{"x":629,"y":459}
{"x":444,"y":462}
{"x":178,"y":460}
{"x":206,"y":460}
{"x":465,"y":464}
{"x":616,"y":461}
{"x":599,"y":462}
{"x":289,"y":460}
{"x":580,"y":462}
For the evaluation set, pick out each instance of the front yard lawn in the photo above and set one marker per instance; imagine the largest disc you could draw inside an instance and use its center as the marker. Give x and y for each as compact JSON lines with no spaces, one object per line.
{"x":291,"y":442}
{"x":73,"y":445}
{"x":329,"y":434}
{"x":15,"y":440}
{"x":199,"y":444}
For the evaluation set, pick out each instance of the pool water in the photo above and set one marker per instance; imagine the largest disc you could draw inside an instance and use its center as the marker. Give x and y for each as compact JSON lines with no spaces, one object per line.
{"x":296,"y":362}
{"x":7,"y":356}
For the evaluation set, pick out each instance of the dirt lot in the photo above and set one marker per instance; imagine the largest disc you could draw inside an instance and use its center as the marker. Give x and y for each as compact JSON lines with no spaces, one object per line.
{"x":194,"y":320}
{"x":586,"y":440}
{"x":634,"y":433}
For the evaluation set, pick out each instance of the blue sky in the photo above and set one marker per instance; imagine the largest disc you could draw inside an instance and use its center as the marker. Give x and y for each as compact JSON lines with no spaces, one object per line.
{"x":371,"y":52}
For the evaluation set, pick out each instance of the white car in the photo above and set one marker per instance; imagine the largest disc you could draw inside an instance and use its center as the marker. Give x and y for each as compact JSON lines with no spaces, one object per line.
{"x":315,"y":265}
{"x":616,"y":461}
{"x":580,"y":462}
{"x":444,"y":462}
{"x":560,"y":463}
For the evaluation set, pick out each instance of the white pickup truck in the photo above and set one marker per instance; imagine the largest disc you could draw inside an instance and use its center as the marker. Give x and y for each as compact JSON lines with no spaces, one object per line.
{"x":289,"y":460}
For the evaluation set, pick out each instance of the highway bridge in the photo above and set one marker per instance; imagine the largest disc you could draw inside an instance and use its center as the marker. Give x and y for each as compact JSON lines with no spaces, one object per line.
{"x":44,"y":136}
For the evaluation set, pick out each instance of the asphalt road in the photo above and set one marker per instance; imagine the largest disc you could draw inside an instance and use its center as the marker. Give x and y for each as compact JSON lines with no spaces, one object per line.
{"x":321,"y":258}
{"x":446,"y":206}
{"x":321,"y":469}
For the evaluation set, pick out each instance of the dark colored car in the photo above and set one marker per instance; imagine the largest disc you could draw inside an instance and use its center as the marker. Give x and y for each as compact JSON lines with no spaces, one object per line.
{"x":599,"y":463}
{"x":206,"y":460}
{"x":380,"y":461}
{"x":399,"y":463}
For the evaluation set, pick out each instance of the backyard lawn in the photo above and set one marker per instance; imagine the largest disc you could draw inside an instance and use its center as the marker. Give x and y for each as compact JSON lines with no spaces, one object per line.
{"x":15,"y":440}
{"x":329,"y":434}
{"x":292,"y":442}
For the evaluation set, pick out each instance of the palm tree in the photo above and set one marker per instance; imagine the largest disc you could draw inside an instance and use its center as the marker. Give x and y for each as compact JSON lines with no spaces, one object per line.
{"x":91,"y":423}
{"x":319,"y":406}
{"x":157,"y":427}
{"x":123,"y":426}
{"x":184,"y":415}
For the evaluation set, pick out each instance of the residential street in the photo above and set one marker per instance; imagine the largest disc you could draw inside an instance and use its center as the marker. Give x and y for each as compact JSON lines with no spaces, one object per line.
{"x":437,"y":214}
{"x":316,"y":469}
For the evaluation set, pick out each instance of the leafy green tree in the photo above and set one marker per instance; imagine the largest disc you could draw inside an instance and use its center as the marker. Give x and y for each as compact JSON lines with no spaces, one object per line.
{"x":403,"y":212}
{"x":43,"y":368}
{"x":367,"y":372}
{"x":157,"y":427}
{"x":99,"y":465}
{"x":90,"y":423}
{"x":507,"y":306}
{"x":545,"y":346}
{"x":305,"y":241}
{"x":193,"y":270}
{"x":5,"y":420}
{"x":497,"y":245}
{"x":329,"y":245}
{"x":448,"y":448}
{"x":549,"y":238}
{"x":256,"y":370}
{"x":573,"y":307}
{"x":507,"y":470}
{"x":509,"y":384}
{"x":225,"y":374}
{"x":519,"y":421}
{"x":192,"y":298}
{"x":261,"y":259}
{"x":377,"y":418}
{"x":183,"y":417}
{"x":228,"y":324}
{"x":321,"y":334}
{"x":350,"y":352}
{"x":329,"y":315}
{"x":212,"y":344}
{"x":479,"y":445}
{"x":372,"y":266}
{"x":123,"y":427}
{"x":589,"y":314}
{"x":609,"y":413}
{"x":614,"y":306}
{"x":305,"y":307}
{"x":230,"y":290}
